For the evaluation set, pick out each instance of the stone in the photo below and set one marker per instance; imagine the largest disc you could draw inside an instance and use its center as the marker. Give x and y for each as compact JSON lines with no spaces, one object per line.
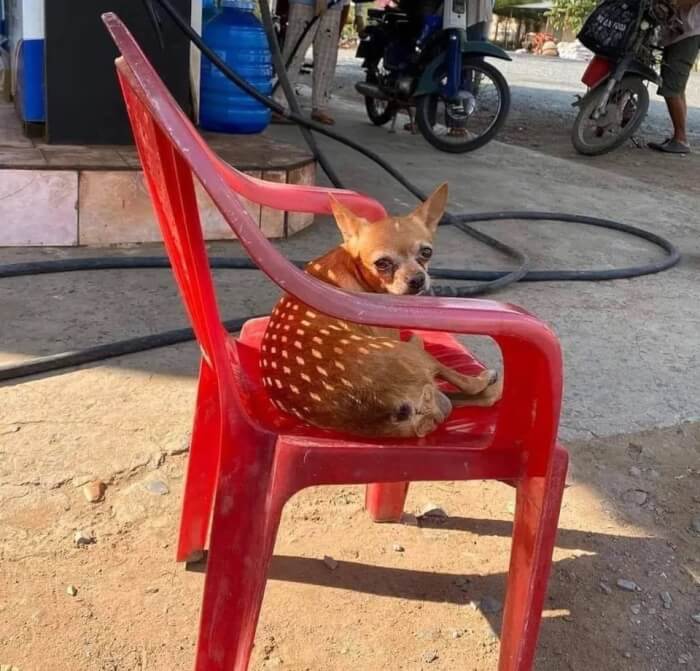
{"x":488,"y":605}
{"x":431,"y":510}
{"x":179,"y":448}
{"x":635,"y":471}
{"x":331,"y":563}
{"x":71,"y":590}
{"x":397,"y":548}
{"x":627,"y":655}
{"x":94,"y":491}
{"x":636,"y":496}
{"x":457,"y":633}
{"x":156,"y":487}
{"x":627,"y":585}
{"x":430,"y":656}
{"x":604,"y":587}
{"x":695,"y":524}
{"x":636,"y":608}
{"x":666,"y":599}
{"x":696,"y":618}
{"x":685,"y":658}
{"x":83,"y":538}
{"x":152,"y":590}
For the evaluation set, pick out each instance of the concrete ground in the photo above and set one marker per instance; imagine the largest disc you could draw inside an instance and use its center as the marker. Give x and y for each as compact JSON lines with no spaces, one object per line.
{"x":631,"y":351}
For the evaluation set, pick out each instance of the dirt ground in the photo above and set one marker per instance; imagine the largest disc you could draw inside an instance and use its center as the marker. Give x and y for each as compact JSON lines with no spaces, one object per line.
{"x":628,"y":513}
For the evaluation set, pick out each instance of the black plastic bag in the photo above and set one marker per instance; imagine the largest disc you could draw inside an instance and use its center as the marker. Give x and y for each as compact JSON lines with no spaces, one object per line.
{"x":610,"y":27}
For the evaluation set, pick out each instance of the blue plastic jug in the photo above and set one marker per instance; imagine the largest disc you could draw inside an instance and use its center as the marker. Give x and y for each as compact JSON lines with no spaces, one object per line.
{"x":237,"y":36}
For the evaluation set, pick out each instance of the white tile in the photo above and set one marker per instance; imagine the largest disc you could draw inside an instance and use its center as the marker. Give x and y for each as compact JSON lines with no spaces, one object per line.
{"x":38,"y":207}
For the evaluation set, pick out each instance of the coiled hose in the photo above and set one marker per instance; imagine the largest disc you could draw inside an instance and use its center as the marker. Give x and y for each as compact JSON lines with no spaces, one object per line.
{"x":490,"y":280}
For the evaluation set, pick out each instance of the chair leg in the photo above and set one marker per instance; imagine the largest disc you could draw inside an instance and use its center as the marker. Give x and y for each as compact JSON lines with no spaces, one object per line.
{"x":385,"y":501}
{"x":538,"y":501}
{"x":244,"y":527}
{"x":202,"y":468}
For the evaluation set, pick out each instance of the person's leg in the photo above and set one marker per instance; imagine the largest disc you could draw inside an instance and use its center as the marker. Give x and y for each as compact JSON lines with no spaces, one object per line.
{"x":299,"y":18}
{"x":679,"y":59}
{"x":325,"y":59}
{"x":344,"y":13}
{"x":678,"y":112}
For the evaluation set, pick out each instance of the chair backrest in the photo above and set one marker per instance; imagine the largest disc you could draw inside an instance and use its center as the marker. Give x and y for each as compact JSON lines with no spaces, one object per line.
{"x":170,"y":150}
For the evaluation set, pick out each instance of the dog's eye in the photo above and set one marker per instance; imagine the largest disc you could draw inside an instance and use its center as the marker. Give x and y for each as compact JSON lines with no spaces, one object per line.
{"x":384,"y":264}
{"x":403,"y":412}
{"x":426,"y":253}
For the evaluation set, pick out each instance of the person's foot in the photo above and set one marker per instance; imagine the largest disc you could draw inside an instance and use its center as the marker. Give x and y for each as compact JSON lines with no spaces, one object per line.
{"x":321,"y":117}
{"x":670,"y":146}
{"x":410,"y":127}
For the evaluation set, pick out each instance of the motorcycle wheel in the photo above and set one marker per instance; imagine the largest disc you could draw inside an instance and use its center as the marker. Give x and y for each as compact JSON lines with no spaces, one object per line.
{"x":458,"y":131}
{"x":627,"y":107}
{"x":380,"y":112}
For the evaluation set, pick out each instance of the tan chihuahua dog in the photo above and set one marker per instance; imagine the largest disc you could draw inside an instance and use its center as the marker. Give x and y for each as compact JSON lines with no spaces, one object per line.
{"x":358,"y":379}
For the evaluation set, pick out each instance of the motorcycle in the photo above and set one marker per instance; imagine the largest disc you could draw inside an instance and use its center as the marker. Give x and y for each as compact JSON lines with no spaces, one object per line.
{"x":625,"y":37}
{"x":418,"y":57}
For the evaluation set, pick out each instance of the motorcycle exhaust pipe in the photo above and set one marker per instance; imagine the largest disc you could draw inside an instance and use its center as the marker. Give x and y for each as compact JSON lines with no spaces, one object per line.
{"x":371,"y":91}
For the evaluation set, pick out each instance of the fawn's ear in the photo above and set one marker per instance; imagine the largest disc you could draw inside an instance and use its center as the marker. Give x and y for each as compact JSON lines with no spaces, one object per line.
{"x":430,"y":212}
{"x":346,"y":220}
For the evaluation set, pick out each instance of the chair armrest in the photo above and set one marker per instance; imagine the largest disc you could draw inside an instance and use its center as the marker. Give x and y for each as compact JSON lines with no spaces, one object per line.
{"x":297,"y":197}
{"x":530,"y":407}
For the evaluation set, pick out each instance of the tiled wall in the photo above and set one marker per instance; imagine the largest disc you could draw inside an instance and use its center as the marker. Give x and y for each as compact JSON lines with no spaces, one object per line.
{"x":103,"y":207}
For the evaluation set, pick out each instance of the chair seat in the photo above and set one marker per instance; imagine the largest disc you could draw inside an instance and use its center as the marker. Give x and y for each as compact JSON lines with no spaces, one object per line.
{"x":466,"y":428}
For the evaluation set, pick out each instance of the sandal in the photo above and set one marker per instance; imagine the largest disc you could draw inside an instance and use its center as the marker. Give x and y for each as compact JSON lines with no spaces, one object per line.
{"x":670,"y":146}
{"x":322,"y":117}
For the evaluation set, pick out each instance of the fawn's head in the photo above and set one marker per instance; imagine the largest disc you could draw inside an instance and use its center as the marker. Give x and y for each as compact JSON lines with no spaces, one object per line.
{"x":393,"y":254}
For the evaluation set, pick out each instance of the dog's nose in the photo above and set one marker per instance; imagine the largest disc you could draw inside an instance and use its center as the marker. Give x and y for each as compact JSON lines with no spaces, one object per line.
{"x":415,"y":284}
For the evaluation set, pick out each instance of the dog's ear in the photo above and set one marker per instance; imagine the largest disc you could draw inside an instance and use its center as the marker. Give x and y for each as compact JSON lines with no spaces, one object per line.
{"x":431,"y":211}
{"x":346,"y":220}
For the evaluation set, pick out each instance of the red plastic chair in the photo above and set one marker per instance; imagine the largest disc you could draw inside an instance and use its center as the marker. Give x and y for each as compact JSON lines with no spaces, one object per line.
{"x":246,"y":459}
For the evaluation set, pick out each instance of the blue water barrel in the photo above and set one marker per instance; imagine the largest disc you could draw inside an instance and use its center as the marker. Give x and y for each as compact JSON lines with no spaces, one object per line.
{"x":237,"y":36}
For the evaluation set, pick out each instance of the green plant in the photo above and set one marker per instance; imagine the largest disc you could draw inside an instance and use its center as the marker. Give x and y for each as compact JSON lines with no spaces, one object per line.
{"x":570,"y":14}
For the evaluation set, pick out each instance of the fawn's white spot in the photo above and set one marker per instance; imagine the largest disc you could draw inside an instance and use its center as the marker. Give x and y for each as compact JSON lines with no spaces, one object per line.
{"x":300,"y":332}
{"x":286,"y":370}
{"x":389,"y":345}
{"x":294,"y":389}
{"x":347,"y":383}
{"x":315,"y":353}
{"x":298,"y":345}
{"x":315,"y":396}
{"x":327,"y":386}
{"x":339,"y":365}
{"x":355,"y":337}
{"x":300,"y":361}
{"x":273,"y":350}
{"x":323,"y":371}
{"x":283,"y":339}
{"x":325,"y":332}
{"x":317,"y":340}
{"x":331,"y":275}
{"x":372,"y":345}
{"x":273,"y":364}
{"x":284,"y":354}
{"x":363,"y":350}
{"x":305,"y":322}
{"x":278,"y":384}
{"x":305,"y":377}
{"x":310,"y":315}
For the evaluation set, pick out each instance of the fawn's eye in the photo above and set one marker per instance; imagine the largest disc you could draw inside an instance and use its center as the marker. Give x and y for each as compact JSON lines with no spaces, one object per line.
{"x":426,"y":253}
{"x":403,"y":412}
{"x":384,"y":264}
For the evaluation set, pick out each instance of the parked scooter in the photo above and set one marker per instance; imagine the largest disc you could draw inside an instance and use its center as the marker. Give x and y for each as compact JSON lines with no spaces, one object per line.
{"x":625,"y":36}
{"x":416,"y":55}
